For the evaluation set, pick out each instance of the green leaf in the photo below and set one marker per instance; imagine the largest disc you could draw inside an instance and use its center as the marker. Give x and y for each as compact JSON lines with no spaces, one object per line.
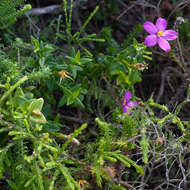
{"x":67,"y":176}
{"x":62,"y":101}
{"x":77,"y":57}
{"x":62,"y":36}
{"x":134,"y":76}
{"x":74,"y":95}
{"x":34,"y":111}
{"x":36,"y":44}
{"x":71,"y":98}
{"x":38,"y":118}
{"x":19,"y":92}
{"x":116,"y":68}
{"x":36,"y":104}
{"x":123,"y":160}
{"x":123,"y":78}
{"x":74,"y":69}
{"x":51,"y":164}
{"x":53,"y":149}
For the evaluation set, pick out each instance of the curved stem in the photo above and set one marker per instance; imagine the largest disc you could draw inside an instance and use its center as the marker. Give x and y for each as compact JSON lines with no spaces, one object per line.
{"x":7,"y":93}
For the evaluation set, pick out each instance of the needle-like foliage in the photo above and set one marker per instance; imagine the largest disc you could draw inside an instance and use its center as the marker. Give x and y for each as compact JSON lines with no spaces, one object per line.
{"x":10,"y":10}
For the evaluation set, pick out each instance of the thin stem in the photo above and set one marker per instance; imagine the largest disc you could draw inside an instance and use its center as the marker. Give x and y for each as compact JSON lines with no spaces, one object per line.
{"x":88,"y":20}
{"x":70,"y":15}
{"x":7,"y":93}
{"x":39,"y":178}
{"x":27,"y":125}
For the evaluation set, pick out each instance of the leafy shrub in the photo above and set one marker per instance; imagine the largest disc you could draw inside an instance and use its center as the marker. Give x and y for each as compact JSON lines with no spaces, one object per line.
{"x":43,"y":146}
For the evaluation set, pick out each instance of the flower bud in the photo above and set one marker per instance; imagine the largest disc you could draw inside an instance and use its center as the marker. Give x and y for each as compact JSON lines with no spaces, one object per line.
{"x":159,"y":141}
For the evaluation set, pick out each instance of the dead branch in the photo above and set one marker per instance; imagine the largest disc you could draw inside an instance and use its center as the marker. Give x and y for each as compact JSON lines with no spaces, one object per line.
{"x":52,"y":9}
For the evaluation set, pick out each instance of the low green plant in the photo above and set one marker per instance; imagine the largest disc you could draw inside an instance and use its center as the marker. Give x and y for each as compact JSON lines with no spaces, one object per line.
{"x":43,"y":146}
{"x":9,"y":11}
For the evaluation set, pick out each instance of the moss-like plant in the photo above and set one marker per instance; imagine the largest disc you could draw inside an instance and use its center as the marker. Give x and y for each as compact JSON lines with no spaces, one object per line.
{"x":10,"y":11}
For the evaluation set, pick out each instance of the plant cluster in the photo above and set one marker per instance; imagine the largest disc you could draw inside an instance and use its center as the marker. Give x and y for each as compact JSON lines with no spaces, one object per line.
{"x":69,"y":116}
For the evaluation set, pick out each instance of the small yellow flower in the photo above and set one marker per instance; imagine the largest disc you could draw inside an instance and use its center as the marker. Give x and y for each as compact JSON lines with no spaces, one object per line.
{"x":63,"y":74}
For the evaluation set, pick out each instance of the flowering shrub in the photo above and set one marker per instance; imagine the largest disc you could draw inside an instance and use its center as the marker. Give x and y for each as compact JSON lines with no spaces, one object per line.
{"x":61,"y":125}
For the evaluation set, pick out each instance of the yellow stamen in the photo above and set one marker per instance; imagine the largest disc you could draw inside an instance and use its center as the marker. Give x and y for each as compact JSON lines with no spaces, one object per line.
{"x":160,"y":33}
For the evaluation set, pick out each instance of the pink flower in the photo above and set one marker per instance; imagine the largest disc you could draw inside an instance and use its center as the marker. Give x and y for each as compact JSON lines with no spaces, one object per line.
{"x":126,"y":104}
{"x":159,"y":34}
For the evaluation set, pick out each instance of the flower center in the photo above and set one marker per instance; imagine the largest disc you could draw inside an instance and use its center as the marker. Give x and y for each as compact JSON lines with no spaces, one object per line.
{"x":160,"y":33}
{"x":62,"y":73}
{"x":124,"y":101}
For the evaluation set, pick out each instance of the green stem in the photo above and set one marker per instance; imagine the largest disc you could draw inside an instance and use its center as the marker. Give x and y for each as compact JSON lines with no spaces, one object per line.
{"x":7,"y":93}
{"x":70,"y":15}
{"x":27,"y":125}
{"x":39,"y":177}
{"x":88,"y":20}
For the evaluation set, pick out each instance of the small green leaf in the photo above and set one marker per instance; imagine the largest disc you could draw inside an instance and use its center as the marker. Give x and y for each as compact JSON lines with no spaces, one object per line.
{"x":135,"y":76}
{"x":36,"y":104}
{"x":68,"y":94}
{"x":51,"y":164}
{"x":62,"y":101}
{"x":73,"y":96}
{"x":77,"y":57}
{"x":38,"y":118}
{"x":36,"y":44}
{"x":67,"y":176}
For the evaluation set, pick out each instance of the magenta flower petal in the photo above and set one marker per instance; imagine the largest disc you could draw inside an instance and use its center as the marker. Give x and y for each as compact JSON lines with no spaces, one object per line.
{"x":161,"y":24}
{"x":150,"y":40}
{"x":169,"y":35}
{"x":125,"y":108}
{"x":126,"y":98}
{"x":164,"y":44}
{"x":131,"y":104}
{"x":126,"y":103}
{"x":150,"y":27}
